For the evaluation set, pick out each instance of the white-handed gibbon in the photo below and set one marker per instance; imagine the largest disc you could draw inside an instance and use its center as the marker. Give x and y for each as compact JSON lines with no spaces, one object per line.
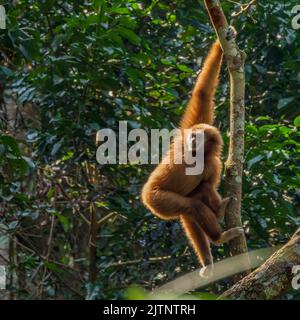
{"x":171,"y":194}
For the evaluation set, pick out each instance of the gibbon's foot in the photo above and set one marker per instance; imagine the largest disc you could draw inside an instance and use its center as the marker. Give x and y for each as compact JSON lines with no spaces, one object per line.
{"x":226,"y":200}
{"x":229,"y":235}
{"x":238,"y":230}
{"x":207,"y":271}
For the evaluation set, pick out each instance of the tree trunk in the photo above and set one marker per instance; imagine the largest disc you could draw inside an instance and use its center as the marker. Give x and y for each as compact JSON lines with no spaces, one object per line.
{"x":234,"y":165}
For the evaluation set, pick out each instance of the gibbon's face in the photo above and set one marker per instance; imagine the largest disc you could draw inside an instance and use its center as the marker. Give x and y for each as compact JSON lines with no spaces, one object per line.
{"x":212,"y":139}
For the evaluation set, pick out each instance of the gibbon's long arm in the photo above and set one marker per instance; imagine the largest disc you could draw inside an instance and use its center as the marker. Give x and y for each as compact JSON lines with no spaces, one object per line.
{"x":200,"y":108}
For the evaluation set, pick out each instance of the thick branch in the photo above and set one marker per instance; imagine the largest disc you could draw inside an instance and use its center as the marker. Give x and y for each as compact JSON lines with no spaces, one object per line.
{"x":273,"y":278}
{"x":234,"y":165}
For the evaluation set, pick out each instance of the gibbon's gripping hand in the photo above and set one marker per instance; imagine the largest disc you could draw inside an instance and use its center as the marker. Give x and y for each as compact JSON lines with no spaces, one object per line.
{"x":231,"y":33}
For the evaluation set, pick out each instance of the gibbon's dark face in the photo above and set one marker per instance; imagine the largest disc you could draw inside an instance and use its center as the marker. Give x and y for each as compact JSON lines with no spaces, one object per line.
{"x":212,"y":139}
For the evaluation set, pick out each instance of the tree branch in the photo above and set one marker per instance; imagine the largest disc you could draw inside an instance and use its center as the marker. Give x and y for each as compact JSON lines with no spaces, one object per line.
{"x":273,"y":278}
{"x":234,"y":165}
{"x":244,"y":8}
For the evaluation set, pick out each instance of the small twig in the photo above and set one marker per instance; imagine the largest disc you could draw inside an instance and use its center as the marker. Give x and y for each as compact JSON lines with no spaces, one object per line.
{"x":244,"y":8}
{"x":50,"y":239}
{"x":92,"y":245}
{"x":46,"y":259}
{"x":137,"y":261}
{"x":67,"y":285}
{"x":150,"y":260}
{"x":50,"y":26}
{"x":235,"y":2}
{"x":70,"y":200}
{"x":104,"y":219}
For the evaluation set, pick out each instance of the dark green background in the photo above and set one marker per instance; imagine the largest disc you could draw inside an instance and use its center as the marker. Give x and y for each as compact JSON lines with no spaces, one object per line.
{"x":87,"y":65}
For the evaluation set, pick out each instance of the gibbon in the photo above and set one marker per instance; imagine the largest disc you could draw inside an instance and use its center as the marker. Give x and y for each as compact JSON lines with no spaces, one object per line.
{"x":171,"y":194}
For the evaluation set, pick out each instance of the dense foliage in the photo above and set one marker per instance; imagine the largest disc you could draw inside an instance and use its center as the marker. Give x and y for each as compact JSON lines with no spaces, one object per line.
{"x":70,"y":68}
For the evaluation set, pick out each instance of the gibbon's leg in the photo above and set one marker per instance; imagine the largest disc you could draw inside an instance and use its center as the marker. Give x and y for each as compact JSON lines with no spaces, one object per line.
{"x":205,"y":217}
{"x":200,"y":244}
{"x":229,"y":235}
{"x":213,"y":198}
{"x":170,"y":205}
{"x":167,"y":205}
{"x":215,"y":202}
{"x":209,"y":196}
{"x":207,"y":220}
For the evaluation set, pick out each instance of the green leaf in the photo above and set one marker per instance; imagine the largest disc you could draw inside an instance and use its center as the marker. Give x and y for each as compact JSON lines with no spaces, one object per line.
{"x":56,"y":147}
{"x":30,"y":162}
{"x":297,"y":121}
{"x":8,"y":72}
{"x":130,"y":35}
{"x":254,"y":160}
{"x":284,"y":102}
{"x":184,"y":68}
{"x":10,"y":144}
{"x":13,"y":225}
{"x":120,"y":10}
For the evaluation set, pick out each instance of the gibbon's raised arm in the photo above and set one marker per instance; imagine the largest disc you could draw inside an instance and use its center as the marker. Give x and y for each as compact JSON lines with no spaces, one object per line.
{"x":200,"y":108}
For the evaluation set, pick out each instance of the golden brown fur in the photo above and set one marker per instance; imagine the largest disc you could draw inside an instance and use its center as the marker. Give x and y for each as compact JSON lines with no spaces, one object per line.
{"x":171,"y":194}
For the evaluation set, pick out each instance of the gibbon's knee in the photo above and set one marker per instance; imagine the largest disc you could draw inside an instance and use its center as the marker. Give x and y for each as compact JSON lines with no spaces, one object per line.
{"x":166,"y":205}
